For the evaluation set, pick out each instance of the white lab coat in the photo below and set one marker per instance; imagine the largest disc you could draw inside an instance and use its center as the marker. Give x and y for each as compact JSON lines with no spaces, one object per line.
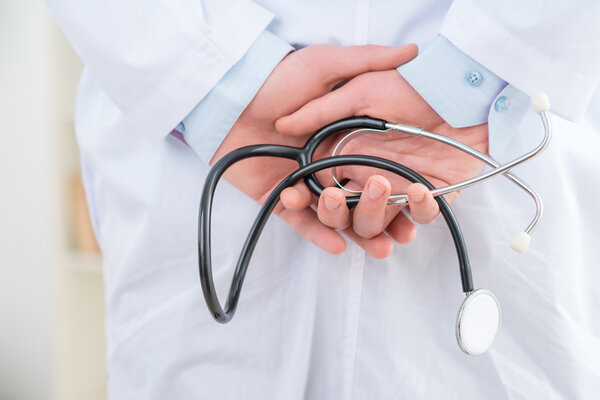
{"x":309,"y":324}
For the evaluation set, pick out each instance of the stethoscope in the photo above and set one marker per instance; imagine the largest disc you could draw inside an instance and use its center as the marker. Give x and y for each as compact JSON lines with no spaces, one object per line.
{"x":478,"y":318}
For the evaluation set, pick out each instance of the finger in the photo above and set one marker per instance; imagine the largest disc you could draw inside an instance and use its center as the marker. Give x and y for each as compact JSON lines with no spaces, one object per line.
{"x":306,"y":223}
{"x":369,"y":215}
{"x":345,"y":62}
{"x":423,"y":207}
{"x":380,"y":246}
{"x":332,"y":210}
{"x":339,"y":104}
{"x":296,"y":197}
{"x":342,"y":63}
{"x":402,"y":229}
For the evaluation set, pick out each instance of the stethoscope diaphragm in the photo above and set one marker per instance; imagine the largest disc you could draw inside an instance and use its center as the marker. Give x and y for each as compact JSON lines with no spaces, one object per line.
{"x":477,"y":322}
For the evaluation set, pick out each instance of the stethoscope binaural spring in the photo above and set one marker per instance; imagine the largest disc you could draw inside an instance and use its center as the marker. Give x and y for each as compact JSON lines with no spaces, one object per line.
{"x":479,"y":315}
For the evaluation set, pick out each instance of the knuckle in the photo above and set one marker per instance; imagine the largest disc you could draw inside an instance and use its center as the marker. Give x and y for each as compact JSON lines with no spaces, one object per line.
{"x":427,"y":219}
{"x":333,"y":218}
{"x":343,"y":226}
{"x":370,"y":47}
{"x":381,"y":248}
{"x":366,"y":232}
{"x":327,"y":221}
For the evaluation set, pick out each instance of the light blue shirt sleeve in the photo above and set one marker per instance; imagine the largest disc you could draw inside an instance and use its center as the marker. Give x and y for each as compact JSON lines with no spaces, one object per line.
{"x":208,"y":123}
{"x":457,"y":87}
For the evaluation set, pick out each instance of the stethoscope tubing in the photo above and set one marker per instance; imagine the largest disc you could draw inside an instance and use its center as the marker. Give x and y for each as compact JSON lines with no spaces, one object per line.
{"x":307,"y":169}
{"x":204,"y":241}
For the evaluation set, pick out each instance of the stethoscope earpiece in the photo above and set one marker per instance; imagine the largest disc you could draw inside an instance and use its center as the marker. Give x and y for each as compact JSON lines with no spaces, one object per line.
{"x":540,"y":103}
{"x":520,"y":242}
{"x":477,"y":322}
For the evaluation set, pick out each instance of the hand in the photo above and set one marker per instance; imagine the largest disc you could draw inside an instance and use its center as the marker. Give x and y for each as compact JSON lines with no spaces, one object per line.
{"x":300,"y":77}
{"x":388,"y":96}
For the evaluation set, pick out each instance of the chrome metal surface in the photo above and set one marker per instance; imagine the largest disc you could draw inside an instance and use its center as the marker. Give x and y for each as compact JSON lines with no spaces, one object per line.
{"x":401,"y":199}
{"x":340,"y":145}
{"x":459,"y":319}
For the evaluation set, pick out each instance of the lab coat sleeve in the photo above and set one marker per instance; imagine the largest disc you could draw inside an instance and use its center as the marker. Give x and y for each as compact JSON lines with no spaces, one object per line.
{"x":537,"y":46}
{"x":209,"y":122}
{"x":157,"y":60}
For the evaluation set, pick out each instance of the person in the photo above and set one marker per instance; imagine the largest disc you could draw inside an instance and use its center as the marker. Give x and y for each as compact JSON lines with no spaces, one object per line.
{"x":171,"y":87}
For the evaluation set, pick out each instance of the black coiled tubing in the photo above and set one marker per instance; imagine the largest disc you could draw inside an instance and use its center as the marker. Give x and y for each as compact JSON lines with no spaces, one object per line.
{"x":307,"y":169}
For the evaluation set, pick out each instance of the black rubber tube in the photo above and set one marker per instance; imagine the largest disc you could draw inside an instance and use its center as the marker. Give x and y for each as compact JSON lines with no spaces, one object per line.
{"x":315,"y":141}
{"x":204,"y":218}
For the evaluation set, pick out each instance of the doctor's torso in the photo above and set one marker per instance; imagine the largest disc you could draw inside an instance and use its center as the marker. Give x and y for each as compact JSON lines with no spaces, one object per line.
{"x":318,"y":326}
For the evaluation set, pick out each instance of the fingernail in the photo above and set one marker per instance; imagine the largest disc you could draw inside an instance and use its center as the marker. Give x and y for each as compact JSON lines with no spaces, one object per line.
{"x":416,"y":197}
{"x":375,"y":190}
{"x":331,"y":203}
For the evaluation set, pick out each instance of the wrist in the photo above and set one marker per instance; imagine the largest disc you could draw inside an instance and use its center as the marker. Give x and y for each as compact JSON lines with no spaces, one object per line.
{"x":209,"y":122}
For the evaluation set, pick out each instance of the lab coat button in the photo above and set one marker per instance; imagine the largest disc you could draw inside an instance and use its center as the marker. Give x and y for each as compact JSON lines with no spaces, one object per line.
{"x":501,"y":104}
{"x":474,"y":78}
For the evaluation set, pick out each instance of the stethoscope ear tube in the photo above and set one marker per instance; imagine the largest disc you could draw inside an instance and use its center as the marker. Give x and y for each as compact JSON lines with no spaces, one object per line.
{"x":204,"y":218}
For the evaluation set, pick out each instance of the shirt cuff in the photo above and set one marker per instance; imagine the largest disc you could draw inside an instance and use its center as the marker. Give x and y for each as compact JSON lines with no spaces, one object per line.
{"x":208,"y":123}
{"x":457,"y":87}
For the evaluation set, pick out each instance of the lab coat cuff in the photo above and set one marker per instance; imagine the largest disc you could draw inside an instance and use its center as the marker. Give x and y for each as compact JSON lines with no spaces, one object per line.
{"x":157,"y":94}
{"x":457,"y":87}
{"x":208,"y":123}
{"x":527,"y":64}
{"x":511,"y":111}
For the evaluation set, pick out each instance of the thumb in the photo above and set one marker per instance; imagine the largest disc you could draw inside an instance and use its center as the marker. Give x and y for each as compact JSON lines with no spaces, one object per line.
{"x":331,"y":65}
{"x":317,"y":113}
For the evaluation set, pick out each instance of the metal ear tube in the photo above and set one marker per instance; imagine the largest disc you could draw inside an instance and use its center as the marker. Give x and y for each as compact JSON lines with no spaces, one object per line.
{"x":520,"y":242}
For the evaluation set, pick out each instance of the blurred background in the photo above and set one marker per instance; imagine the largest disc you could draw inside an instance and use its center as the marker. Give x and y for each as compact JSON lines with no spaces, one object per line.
{"x":51,"y":299}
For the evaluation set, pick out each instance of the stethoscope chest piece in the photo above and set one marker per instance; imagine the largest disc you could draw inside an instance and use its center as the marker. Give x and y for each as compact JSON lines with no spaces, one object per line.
{"x":478,"y":322}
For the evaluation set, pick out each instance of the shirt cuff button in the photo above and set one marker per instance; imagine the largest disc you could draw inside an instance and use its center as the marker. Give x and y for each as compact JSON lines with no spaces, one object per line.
{"x":474,"y":78}
{"x":501,"y":104}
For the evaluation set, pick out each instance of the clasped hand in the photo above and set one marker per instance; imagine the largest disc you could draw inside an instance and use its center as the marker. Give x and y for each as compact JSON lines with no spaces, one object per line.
{"x":297,"y":99}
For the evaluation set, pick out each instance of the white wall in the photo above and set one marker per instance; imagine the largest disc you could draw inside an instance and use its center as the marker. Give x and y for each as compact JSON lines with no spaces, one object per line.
{"x":51,"y":307}
{"x":26,"y":201}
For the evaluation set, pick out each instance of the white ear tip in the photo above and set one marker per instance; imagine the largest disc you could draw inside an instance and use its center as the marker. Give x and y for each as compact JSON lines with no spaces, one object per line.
{"x":520,"y":242}
{"x":540,"y":102}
